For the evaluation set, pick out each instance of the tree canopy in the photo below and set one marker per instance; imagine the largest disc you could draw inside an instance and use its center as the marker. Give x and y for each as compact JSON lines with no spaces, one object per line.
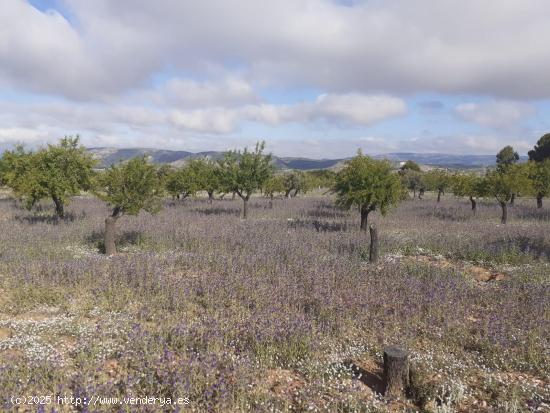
{"x":368,"y":184}
{"x":541,"y":151}
{"x":58,"y":172}
{"x":245,"y":172}
{"x":506,"y":157}
{"x":130,"y":187}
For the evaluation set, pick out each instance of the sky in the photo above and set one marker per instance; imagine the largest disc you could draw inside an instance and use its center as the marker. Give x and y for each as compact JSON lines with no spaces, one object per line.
{"x":313,"y":78}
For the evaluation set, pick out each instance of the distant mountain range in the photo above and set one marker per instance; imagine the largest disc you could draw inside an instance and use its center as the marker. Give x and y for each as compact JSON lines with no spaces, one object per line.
{"x":109,"y":156}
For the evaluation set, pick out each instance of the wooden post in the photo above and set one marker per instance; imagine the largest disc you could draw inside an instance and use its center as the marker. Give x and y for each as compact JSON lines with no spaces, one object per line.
{"x":374,"y":244}
{"x":396,"y":372}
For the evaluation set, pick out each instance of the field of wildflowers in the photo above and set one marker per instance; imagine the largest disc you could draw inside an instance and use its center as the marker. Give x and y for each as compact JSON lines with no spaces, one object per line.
{"x":281,"y":312}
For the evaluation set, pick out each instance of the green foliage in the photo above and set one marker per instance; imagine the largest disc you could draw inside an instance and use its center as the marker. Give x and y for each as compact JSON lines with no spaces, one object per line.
{"x":468,"y":184}
{"x":297,"y":181}
{"x":207,"y":175}
{"x":65,"y":169}
{"x":539,"y":173}
{"x":322,"y":178}
{"x":59,"y":171}
{"x":412,"y":180}
{"x":274,"y":185}
{"x":411,"y":166}
{"x":19,"y":173}
{"x":506,"y":157}
{"x":130,"y":187}
{"x":515,"y":179}
{"x":541,"y":151}
{"x":369,"y":184}
{"x":182,"y":182}
{"x":245,"y":172}
{"x":437,"y":180}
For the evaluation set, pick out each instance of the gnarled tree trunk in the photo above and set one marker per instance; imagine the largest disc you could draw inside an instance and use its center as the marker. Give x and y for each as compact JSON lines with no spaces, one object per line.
{"x":245,"y":207}
{"x":513,"y":199}
{"x":474,"y":204}
{"x":59,"y":207}
{"x":539,"y":200}
{"x":439,"y":193}
{"x":504,"y":207}
{"x":210,"y":196}
{"x":365,"y":210}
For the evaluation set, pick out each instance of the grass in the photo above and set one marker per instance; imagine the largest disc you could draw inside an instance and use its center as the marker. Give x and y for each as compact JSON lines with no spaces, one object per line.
{"x":269,"y":314}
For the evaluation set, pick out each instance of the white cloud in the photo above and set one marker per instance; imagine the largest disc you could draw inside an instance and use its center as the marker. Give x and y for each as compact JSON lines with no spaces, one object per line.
{"x":489,"y":47}
{"x":495,"y":114}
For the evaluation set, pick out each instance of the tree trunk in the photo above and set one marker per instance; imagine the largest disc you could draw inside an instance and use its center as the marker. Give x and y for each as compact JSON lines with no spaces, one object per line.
{"x":245,"y":207}
{"x":396,"y":372}
{"x":512,"y":200}
{"x":233,"y":196}
{"x":210,"y":196}
{"x":439,"y":192}
{"x":539,"y":200}
{"x":374,"y":244}
{"x":504,"y":217}
{"x":287,"y":193}
{"x":271,"y":201}
{"x":474,"y":204}
{"x":414,"y":193}
{"x":364,"y":217}
{"x":296,"y":192}
{"x":420,"y":193}
{"x":110,"y":233}
{"x":59,"y":207}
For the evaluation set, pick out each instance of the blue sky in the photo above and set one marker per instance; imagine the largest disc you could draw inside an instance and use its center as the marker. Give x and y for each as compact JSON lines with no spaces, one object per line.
{"x":315,"y":78}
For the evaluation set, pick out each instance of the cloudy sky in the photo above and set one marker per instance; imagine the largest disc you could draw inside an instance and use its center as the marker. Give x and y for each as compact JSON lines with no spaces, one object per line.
{"x":317,"y":78}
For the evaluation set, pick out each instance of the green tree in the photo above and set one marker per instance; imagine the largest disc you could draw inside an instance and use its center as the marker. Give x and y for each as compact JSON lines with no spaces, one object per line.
{"x":541,"y":151}
{"x":368,"y":184}
{"x":207,"y":176}
{"x":58,"y":172}
{"x":272,"y":186}
{"x":540,"y":154}
{"x":410,"y":166}
{"x":182,"y":182}
{"x":539,"y":173}
{"x":20,"y":174}
{"x":245,"y":172}
{"x":470,"y":185}
{"x":437,"y":180}
{"x":64,"y":170}
{"x":506,"y":157}
{"x":128,"y":188}
{"x":413,"y":181}
{"x":502,"y":185}
{"x":295,"y":182}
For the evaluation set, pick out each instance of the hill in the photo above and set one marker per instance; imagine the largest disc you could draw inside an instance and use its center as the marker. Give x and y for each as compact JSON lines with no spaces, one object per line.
{"x":109,"y":156}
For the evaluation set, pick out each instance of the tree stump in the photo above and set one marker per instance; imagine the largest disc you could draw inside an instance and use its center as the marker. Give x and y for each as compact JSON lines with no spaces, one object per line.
{"x":374,"y":244}
{"x":396,"y":372}
{"x":110,"y":233}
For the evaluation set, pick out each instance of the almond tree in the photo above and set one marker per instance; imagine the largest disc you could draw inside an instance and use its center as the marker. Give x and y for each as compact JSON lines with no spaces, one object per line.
{"x":539,"y":173}
{"x":540,"y":154}
{"x":471,"y":185}
{"x":503,"y":184}
{"x":245,"y":172}
{"x":58,"y":172}
{"x":437,"y":180}
{"x":368,"y":184}
{"x":128,"y":188}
